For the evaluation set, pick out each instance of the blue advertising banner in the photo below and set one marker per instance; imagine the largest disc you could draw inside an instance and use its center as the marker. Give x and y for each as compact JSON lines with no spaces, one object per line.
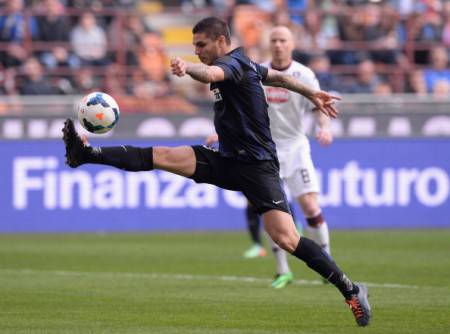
{"x":376,"y":183}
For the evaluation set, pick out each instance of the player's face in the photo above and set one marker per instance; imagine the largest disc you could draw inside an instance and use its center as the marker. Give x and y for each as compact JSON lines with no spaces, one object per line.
{"x":206,"y":49}
{"x":281,"y":45}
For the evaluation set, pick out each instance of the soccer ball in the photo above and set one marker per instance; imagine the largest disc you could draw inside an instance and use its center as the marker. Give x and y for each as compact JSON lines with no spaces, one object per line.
{"x":98,"y":112}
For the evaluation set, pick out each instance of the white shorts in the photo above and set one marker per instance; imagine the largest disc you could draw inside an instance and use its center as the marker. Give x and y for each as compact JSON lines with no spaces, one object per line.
{"x":297,"y":170}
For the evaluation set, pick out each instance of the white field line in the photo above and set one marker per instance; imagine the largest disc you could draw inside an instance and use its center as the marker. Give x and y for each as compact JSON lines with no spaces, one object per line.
{"x":187,"y":277}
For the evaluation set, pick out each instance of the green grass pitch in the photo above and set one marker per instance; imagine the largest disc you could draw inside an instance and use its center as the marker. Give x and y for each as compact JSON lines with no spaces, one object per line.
{"x":197,"y":283}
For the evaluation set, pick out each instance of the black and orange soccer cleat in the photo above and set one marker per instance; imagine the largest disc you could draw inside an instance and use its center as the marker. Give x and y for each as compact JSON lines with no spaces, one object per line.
{"x":359,"y":304}
{"x":76,"y":150}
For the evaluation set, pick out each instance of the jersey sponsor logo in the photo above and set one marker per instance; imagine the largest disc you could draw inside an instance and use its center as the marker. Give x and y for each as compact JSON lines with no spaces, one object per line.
{"x":277,"y":202}
{"x":277,"y":95}
{"x":217,"y":95}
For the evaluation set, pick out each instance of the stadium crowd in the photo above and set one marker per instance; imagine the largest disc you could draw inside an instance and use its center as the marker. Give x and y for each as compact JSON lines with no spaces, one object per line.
{"x":353,"y":46}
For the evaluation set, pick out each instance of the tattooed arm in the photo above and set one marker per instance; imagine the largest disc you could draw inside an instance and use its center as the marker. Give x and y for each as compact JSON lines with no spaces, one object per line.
{"x":322,"y":100}
{"x":199,"y":72}
{"x":278,"y":79}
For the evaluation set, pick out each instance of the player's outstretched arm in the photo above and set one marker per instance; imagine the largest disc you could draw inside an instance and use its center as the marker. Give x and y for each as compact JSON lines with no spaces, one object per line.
{"x":323,"y":101}
{"x":199,"y":72}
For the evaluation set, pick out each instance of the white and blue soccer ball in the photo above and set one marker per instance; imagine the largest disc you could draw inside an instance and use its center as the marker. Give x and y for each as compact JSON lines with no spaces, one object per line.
{"x":98,"y":112}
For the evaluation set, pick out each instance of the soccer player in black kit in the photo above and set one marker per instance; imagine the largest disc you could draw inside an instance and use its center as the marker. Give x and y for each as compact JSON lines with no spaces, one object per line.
{"x":246,"y":159}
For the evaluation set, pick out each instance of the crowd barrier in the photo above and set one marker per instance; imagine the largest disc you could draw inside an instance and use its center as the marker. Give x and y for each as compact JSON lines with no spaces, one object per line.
{"x":366,"y":184}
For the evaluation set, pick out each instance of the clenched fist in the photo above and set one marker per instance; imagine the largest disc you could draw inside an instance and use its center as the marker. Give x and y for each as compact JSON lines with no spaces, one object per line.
{"x":178,"y":67}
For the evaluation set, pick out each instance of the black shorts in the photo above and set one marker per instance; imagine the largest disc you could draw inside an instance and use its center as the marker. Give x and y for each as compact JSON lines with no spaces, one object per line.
{"x":259,"y":180}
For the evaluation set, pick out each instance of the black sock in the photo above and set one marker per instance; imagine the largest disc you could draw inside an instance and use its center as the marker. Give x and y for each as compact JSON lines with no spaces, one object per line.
{"x":253,"y":224}
{"x":128,"y":158}
{"x":318,"y":260}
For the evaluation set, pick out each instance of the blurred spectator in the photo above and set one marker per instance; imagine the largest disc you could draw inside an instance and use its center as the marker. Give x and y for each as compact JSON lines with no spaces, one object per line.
{"x":403,"y":7}
{"x":125,"y":35}
{"x":439,"y":68}
{"x":366,"y":79}
{"x":314,"y":37}
{"x":152,"y":58}
{"x":14,"y":26}
{"x":126,"y":4}
{"x":320,"y":64}
{"x":14,"y":55}
{"x":383,"y":89}
{"x":416,"y":83}
{"x":114,"y":80}
{"x":327,"y":33}
{"x":428,"y":27}
{"x":35,"y":83}
{"x":441,"y":89}
{"x":446,"y":25}
{"x":143,"y":87}
{"x":7,"y":81}
{"x":378,"y":27}
{"x":297,"y":10}
{"x":93,"y":5}
{"x":249,"y":24}
{"x":84,"y":82}
{"x":53,"y":27}
{"x":369,"y":23}
{"x":190,"y":5}
{"x":89,"y":41}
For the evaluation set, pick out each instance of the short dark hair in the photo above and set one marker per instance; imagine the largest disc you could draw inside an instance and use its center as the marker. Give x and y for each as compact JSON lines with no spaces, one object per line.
{"x":213,"y":27}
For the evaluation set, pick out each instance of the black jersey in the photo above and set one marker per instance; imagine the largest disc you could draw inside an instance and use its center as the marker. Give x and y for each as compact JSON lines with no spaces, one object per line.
{"x":241,"y":118}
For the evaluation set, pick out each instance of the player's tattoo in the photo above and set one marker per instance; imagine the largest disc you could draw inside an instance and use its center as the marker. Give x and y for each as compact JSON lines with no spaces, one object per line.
{"x":278,"y":79}
{"x":199,"y":72}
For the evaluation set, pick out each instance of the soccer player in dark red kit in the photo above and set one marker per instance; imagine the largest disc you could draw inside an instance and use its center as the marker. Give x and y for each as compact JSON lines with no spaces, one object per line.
{"x":246,"y":160}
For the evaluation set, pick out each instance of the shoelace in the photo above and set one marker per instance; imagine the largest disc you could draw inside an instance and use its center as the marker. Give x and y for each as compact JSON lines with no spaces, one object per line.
{"x":355,"y":306}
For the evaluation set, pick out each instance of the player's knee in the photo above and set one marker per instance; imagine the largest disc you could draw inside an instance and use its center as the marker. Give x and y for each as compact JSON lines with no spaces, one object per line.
{"x":315,"y":221}
{"x":160,"y":153}
{"x":287,"y":242}
{"x":163,"y":156}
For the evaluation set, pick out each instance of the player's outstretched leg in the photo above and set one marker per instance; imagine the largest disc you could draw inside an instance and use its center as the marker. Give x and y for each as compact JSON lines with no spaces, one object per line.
{"x":127,"y":158}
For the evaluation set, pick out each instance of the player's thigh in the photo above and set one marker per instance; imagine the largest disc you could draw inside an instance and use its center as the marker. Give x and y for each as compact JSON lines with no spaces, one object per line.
{"x":212,"y":168}
{"x":178,"y":160}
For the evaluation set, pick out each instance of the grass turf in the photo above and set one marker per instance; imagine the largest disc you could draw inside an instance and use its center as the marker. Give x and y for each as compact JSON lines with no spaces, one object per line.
{"x":199,"y":283}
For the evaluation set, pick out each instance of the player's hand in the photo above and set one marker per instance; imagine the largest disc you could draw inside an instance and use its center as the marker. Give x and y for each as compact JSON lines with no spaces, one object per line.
{"x":324,"y":137}
{"x":212,"y":139}
{"x":178,"y":67}
{"x":324,"y":103}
